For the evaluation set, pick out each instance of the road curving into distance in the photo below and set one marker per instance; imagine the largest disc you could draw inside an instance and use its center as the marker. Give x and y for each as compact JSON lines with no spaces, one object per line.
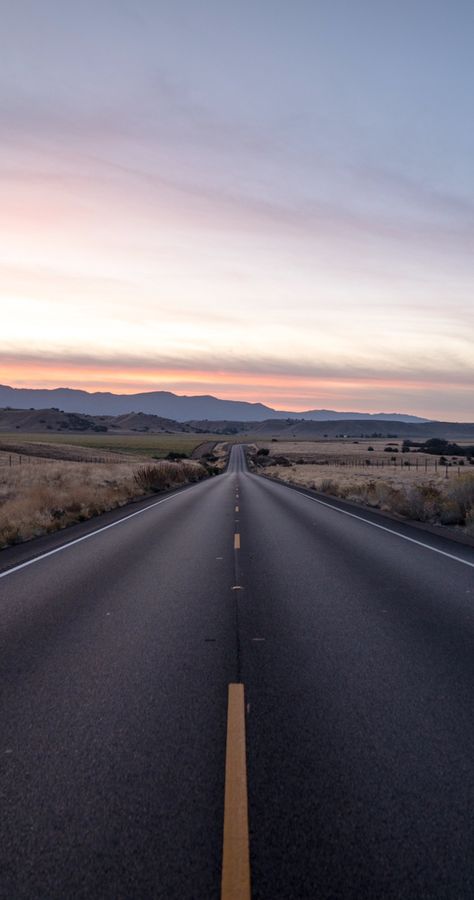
{"x":350,"y":651}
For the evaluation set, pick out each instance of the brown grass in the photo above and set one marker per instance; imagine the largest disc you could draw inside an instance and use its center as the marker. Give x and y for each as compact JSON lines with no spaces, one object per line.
{"x":382,"y":480}
{"x":424,"y":499}
{"x":165,"y":475}
{"x":42,"y":498}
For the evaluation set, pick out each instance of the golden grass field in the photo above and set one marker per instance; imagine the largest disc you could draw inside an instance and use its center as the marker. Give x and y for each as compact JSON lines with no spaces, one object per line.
{"x":423,"y":490}
{"x":43,"y":495}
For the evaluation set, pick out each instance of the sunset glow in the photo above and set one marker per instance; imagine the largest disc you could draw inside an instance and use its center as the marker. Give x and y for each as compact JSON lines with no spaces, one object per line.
{"x":215,"y":208}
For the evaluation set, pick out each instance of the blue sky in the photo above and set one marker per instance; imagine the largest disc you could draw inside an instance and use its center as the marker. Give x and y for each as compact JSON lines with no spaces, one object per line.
{"x":270,"y":201}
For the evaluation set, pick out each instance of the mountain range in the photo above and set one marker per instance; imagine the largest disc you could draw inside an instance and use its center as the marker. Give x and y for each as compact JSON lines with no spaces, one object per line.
{"x":172,"y":406}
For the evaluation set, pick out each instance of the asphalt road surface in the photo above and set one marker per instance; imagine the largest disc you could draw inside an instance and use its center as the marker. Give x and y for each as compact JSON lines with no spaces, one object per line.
{"x":355,"y":645}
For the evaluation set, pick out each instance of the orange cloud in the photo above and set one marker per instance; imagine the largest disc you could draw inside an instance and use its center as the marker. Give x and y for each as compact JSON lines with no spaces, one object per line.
{"x":292,"y":392}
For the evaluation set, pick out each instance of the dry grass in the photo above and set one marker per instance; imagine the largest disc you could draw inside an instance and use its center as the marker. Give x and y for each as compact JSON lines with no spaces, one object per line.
{"x":382,"y":480}
{"x":346,"y":477}
{"x":165,"y":475}
{"x":435,"y":499}
{"x":350,"y":451}
{"x":47,"y":496}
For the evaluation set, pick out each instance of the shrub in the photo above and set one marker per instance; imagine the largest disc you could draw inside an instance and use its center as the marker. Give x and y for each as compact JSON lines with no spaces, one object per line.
{"x":422,"y":503}
{"x":164,"y":475}
{"x":450,"y":513}
{"x":461,"y":493}
{"x":212,"y":470}
{"x":281,"y":461}
{"x":329,"y":486}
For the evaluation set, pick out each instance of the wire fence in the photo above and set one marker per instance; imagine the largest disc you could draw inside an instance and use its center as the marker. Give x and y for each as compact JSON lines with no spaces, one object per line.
{"x":424,"y":464}
{"x":10,"y":460}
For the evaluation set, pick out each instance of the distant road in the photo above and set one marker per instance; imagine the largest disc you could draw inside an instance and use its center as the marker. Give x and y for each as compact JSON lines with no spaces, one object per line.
{"x":355,"y":646}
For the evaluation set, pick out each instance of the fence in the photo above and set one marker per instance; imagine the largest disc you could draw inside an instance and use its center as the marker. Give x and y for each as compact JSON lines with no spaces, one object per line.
{"x":16,"y":459}
{"x":425,"y":464}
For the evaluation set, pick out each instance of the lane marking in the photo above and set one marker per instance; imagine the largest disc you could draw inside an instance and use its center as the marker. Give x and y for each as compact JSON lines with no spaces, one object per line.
{"x":85,"y":537}
{"x":235,"y":882}
{"x":236,"y":509}
{"x":236,"y":541}
{"x":404,"y":537}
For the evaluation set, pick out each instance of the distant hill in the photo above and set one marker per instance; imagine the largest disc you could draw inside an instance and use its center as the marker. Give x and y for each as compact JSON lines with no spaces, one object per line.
{"x":171,"y":406}
{"x":356,"y":428}
{"x":53,"y":420}
{"x":47,"y":421}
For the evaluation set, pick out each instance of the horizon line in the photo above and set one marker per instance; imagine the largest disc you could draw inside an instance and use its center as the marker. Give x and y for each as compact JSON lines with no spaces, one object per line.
{"x":125,"y":393}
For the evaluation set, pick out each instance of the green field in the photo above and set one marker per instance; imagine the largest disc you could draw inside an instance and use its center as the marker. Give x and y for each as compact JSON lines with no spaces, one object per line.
{"x":157,"y":445}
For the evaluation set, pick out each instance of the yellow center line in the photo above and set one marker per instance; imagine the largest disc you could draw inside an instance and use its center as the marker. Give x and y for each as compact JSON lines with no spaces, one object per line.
{"x":236,"y":508}
{"x":236,"y":541}
{"x":235,"y":884}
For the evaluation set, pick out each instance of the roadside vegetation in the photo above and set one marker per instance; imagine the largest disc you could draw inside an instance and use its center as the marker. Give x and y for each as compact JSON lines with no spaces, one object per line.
{"x":409,"y":483}
{"x":43,"y":496}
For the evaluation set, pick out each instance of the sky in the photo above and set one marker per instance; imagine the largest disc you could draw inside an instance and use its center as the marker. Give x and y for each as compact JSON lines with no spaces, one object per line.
{"x":269,"y":201}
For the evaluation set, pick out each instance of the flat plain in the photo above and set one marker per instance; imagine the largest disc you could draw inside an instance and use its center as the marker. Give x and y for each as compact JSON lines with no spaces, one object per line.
{"x":141,"y":445}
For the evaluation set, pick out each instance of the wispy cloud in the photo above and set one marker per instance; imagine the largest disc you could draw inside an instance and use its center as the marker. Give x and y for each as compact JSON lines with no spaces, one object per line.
{"x":127,"y":143}
{"x":216,"y":207}
{"x":155,"y":366}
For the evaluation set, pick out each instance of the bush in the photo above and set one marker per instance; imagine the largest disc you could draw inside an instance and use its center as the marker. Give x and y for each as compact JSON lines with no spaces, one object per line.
{"x":165,"y":475}
{"x":451,"y":514}
{"x":422,"y":503}
{"x":281,"y":461}
{"x":461,"y":494}
{"x":212,"y":470}
{"x":329,"y":486}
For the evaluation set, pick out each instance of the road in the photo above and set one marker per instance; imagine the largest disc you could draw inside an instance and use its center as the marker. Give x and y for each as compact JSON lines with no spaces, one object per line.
{"x":355,"y":646}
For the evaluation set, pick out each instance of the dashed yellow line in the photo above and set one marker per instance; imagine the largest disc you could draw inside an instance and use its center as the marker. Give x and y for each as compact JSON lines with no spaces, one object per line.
{"x":235,"y":884}
{"x":236,"y":508}
{"x":236,"y":541}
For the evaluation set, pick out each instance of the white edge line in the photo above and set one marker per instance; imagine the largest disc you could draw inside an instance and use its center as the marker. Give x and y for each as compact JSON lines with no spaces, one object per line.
{"x":85,"y":537}
{"x":404,"y":537}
